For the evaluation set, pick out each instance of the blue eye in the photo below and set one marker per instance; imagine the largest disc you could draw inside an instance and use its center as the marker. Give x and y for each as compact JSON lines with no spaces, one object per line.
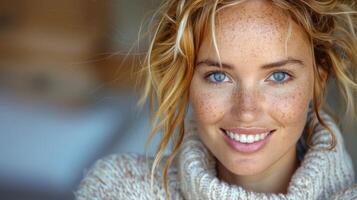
{"x":279,"y":77}
{"x":217,"y":77}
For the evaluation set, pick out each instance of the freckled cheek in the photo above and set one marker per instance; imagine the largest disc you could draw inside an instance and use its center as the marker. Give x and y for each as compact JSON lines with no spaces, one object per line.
{"x":209,"y":106}
{"x":289,"y":106}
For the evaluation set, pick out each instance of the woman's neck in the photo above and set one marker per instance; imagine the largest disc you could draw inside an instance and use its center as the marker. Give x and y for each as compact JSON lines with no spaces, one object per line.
{"x":275,"y":179}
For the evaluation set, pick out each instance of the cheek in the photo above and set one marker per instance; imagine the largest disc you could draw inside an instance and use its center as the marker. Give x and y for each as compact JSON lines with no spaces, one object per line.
{"x":290,"y":105}
{"x":208,"y":105}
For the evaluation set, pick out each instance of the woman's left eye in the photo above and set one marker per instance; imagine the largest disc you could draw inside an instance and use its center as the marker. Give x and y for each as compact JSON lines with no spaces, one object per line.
{"x":279,"y":77}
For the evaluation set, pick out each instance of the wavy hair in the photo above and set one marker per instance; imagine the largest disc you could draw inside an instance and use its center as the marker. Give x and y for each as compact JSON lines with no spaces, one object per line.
{"x":168,"y":67}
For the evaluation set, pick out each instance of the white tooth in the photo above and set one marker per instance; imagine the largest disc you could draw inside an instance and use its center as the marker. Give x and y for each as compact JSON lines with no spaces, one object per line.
{"x":236,"y":137}
{"x":250,"y":139}
{"x":230,"y":135}
{"x":256,"y":138}
{"x":243,"y":138}
{"x":262,"y":136}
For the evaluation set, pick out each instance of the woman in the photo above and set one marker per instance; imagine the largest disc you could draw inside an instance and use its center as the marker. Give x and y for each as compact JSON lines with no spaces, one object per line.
{"x":254,"y":73}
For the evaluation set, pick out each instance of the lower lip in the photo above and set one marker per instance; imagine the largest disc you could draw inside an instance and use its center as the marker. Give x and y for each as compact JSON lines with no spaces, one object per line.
{"x":247,"y":147}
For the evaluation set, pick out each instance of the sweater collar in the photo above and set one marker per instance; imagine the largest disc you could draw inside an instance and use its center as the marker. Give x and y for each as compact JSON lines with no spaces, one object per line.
{"x":198,"y":176}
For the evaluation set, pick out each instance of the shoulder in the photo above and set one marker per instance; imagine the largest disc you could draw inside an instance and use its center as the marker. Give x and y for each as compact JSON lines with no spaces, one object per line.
{"x":122,"y":176}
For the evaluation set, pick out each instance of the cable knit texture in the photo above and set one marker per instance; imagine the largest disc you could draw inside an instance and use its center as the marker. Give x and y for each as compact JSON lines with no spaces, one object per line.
{"x":322,"y":174}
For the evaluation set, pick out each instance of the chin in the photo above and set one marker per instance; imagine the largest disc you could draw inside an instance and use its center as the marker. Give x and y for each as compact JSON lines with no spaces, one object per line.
{"x":247,"y":172}
{"x":242,"y":165}
{"x":246,"y":168}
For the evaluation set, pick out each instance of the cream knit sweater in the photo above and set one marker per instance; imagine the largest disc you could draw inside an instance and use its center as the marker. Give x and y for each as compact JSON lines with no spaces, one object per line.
{"x":323,"y":174}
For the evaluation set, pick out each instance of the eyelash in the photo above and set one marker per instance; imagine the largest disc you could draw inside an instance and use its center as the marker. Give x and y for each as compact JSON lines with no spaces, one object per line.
{"x":290,"y":77}
{"x":212,"y":73}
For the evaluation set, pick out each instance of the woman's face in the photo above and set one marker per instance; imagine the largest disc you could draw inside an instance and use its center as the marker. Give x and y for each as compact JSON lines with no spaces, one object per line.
{"x":261,"y":94}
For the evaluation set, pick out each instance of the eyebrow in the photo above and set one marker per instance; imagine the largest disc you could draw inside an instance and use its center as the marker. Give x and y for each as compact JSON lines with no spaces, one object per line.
{"x":265,"y":66}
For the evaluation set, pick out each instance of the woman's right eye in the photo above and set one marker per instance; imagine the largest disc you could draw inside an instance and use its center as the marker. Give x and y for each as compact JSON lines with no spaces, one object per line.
{"x":217,"y":77}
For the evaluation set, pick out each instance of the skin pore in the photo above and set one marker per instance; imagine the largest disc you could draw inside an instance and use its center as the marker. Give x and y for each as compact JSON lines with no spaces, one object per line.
{"x":266,"y":80}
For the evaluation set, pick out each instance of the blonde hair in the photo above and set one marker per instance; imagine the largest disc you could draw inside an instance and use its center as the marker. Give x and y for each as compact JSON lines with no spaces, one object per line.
{"x":170,"y":61}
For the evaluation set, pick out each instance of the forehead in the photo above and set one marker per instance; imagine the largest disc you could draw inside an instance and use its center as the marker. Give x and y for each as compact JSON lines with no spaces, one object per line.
{"x":258,"y":16}
{"x":255,"y":28}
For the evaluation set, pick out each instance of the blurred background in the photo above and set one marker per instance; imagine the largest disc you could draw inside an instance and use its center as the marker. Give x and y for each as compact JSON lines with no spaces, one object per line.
{"x":67,"y":95}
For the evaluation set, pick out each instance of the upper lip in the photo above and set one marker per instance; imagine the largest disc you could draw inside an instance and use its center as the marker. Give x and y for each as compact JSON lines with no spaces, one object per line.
{"x":250,"y":130}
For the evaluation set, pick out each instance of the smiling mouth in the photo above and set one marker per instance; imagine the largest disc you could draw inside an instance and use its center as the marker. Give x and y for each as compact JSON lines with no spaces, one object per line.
{"x":247,"y":138}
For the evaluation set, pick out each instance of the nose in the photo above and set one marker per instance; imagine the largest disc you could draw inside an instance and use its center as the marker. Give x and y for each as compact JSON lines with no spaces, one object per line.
{"x":246,"y":104}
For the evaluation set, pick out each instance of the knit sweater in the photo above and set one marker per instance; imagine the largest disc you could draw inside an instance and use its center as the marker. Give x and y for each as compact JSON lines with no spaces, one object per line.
{"x":322,"y":174}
